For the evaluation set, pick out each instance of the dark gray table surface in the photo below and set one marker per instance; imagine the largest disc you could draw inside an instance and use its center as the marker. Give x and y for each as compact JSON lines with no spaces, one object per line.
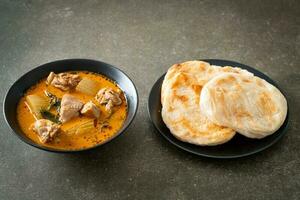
{"x":144,"y":38}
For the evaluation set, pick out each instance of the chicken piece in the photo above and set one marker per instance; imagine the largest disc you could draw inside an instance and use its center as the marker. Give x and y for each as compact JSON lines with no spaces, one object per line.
{"x":109,"y":107}
{"x":63,"y":81}
{"x":69,"y":108}
{"x":91,"y":110}
{"x":109,"y":98}
{"x":107,"y":94}
{"x":45,"y":129}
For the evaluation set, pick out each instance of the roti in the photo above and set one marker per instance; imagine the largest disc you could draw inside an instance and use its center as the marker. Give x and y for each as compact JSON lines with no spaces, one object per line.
{"x":182,"y":115}
{"x":180,"y":97}
{"x":250,"y":105}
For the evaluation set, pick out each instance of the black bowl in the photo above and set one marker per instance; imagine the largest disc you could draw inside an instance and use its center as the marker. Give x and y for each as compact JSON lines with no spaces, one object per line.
{"x":238,"y":146}
{"x":17,"y":90}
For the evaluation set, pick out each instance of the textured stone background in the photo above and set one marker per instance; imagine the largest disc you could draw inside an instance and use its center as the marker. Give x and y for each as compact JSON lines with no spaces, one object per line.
{"x":144,"y":38}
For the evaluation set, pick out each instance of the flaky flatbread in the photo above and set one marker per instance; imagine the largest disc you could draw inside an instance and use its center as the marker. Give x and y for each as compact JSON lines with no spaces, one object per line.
{"x":180,"y":97}
{"x":250,"y":105}
{"x":182,"y":115}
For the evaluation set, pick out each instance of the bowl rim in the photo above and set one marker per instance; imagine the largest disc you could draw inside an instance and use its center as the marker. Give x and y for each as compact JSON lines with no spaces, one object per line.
{"x":49,"y":149}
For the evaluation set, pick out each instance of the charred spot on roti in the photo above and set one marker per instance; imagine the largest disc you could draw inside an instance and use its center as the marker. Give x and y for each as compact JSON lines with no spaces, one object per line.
{"x":266,"y":104}
{"x":197,"y":88}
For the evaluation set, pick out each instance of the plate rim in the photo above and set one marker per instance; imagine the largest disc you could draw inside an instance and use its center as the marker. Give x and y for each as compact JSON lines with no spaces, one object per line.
{"x":274,"y":141}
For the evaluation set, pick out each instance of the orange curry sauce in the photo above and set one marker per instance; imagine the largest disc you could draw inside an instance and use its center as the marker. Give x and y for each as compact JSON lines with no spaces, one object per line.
{"x":64,"y":140}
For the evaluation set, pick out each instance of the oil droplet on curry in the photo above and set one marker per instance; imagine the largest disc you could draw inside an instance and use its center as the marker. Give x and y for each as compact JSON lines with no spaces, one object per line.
{"x":49,"y":100}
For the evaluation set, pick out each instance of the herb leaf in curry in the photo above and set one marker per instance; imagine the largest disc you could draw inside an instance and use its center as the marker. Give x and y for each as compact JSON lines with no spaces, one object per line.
{"x":50,"y":116}
{"x":54,"y":101}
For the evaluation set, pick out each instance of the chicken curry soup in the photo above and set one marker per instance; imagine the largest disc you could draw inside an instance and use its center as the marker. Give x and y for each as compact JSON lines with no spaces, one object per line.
{"x":72,"y":110}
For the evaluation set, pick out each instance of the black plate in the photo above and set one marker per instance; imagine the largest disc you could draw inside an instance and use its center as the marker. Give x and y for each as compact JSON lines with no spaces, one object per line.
{"x":238,"y":146}
{"x":32,"y":77}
